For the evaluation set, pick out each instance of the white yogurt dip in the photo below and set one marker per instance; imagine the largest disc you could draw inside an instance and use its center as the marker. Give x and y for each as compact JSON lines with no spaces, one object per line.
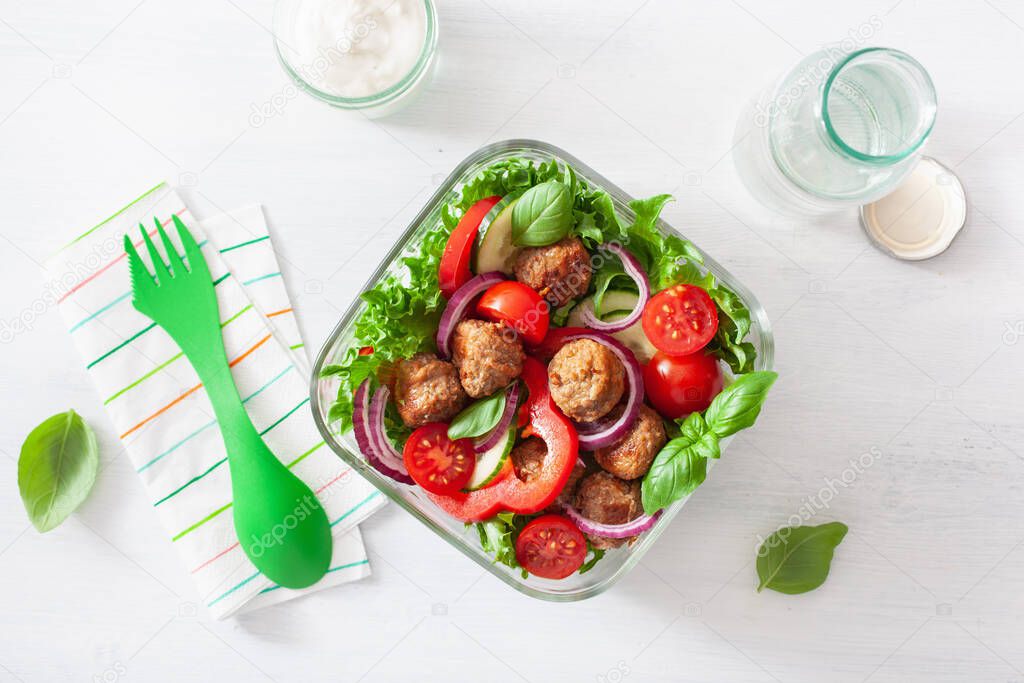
{"x":354,"y":48}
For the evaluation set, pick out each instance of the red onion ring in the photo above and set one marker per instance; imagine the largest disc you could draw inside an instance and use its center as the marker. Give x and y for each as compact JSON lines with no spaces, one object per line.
{"x":630,"y":528}
{"x":364,"y":432}
{"x":457,"y":306}
{"x":386,"y":451}
{"x":598,"y":434}
{"x":500,"y":431}
{"x":634,"y":271}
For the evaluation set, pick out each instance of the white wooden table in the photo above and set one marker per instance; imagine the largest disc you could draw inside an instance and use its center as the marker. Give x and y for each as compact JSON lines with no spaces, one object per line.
{"x":921,"y":362}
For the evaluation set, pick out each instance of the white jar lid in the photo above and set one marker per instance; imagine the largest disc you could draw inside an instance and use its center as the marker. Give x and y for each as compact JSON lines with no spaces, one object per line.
{"x":920,"y":218}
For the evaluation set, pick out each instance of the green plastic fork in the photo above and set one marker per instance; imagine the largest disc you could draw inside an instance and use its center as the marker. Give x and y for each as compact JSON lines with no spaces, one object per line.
{"x":280,"y":524}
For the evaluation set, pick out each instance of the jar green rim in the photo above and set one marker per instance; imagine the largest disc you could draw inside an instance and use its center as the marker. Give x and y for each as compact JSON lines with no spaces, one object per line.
{"x":376,"y":99}
{"x":855,"y":153}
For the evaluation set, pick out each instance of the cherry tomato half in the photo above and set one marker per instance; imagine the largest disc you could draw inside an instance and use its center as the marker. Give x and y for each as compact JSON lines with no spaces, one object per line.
{"x":680,"y":320}
{"x":453,"y":271}
{"x":679,"y":385}
{"x":551,"y":547}
{"x":437,"y":463}
{"x":518,"y":306}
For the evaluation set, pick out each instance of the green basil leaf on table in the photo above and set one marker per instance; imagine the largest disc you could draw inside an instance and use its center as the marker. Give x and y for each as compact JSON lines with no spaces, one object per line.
{"x":681,"y":465}
{"x":795,"y":560}
{"x":479,"y":418}
{"x":542,"y":216}
{"x":739,"y":404}
{"x":57,"y":468}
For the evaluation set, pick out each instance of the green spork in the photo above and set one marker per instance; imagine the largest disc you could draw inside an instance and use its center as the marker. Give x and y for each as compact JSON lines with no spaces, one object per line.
{"x":279,"y":521}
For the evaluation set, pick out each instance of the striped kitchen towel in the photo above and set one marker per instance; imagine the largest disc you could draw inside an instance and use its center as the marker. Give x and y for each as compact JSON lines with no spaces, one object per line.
{"x":165,"y":420}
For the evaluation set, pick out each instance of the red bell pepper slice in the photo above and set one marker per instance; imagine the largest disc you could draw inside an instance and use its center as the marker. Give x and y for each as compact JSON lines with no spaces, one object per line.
{"x":453,"y":271}
{"x":554,"y":340}
{"x":512,"y":494}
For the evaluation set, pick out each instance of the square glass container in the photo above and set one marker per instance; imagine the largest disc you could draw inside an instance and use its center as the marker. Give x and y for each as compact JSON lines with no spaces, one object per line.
{"x":616,"y":563}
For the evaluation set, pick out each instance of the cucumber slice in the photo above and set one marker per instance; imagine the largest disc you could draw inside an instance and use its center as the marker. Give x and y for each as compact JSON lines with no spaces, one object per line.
{"x":489,"y":464}
{"x":619,"y":303}
{"x":495,"y":250}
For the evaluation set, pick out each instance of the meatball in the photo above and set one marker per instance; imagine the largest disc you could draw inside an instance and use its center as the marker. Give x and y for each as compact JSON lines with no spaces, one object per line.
{"x":487,"y":355}
{"x":606,"y":499}
{"x":528,"y":459}
{"x":568,"y":494}
{"x":586,"y":380}
{"x":631,"y":456}
{"x":427,"y":389}
{"x":560,"y":272}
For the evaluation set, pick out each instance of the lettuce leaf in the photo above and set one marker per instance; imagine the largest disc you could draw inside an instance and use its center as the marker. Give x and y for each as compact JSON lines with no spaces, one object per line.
{"x":403,"y":310}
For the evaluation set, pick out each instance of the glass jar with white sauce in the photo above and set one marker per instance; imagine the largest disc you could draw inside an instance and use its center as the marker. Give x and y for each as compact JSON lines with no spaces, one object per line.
{"x":370,"y":56}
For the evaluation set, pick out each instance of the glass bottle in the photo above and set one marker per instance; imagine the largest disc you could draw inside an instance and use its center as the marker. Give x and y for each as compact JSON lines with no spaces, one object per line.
{"x":840,"y":129}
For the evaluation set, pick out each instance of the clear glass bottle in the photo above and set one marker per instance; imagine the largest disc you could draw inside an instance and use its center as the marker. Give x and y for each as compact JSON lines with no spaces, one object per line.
{"x":840,"y":129}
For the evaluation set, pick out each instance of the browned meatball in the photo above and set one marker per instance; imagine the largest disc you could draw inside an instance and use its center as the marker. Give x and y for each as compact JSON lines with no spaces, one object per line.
{"x":560,"y":272}
{"x":427,"y":389}
{"x":606,"y":499}
{"x":487,"y":355}
{"x":632,"y":455}
{"x":528,"y":460}
{"x":586,"y":380}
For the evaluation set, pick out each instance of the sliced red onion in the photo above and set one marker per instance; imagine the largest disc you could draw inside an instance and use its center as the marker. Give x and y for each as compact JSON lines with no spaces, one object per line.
{"x":500,"y":431}
{"x":457,"y":305}
{"x":634,"y":271}
{"x":593,"y":427}
{"x":606,"y":432}
{"x":364,"y":436}
{"x":630,"y":528}
{"x":386,"y":451}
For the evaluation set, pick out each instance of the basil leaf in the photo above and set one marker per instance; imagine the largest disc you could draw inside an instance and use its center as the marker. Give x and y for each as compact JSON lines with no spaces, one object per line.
{"x":739,"y":404}
{"x":479,"y":418}
{"x":681,"y":466}
{"x":795,"y":560}
{"x":693,"y":428}
{"x":57,"y":468}
{"x":542,"y":216}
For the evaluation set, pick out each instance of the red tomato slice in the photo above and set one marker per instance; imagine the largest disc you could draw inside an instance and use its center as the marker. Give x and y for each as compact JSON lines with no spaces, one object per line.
{"x":512,"y":493}
{"x":437,"y":463}
{"x":518,"y":306}
{"x":453,"y":272}
{"x":679,"y":385}
{"x":551,"y":547}
{"x":680,"y":320}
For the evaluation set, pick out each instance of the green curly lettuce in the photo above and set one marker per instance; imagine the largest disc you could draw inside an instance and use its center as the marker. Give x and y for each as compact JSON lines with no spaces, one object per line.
{"x":403,"y":310}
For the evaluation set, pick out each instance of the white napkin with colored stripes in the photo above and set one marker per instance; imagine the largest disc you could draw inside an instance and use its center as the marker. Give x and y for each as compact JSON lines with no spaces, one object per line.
{"x":165,"y":420}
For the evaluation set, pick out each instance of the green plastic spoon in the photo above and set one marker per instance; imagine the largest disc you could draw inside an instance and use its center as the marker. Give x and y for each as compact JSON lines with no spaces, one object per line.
{"x":280,"y":524}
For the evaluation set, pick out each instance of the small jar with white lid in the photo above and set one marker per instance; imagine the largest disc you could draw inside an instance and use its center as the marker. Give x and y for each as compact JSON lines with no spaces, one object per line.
{"x":370,"y":56}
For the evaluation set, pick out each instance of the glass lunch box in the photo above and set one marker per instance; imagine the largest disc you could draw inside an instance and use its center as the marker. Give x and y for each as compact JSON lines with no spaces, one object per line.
{"x":616,"y":563}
